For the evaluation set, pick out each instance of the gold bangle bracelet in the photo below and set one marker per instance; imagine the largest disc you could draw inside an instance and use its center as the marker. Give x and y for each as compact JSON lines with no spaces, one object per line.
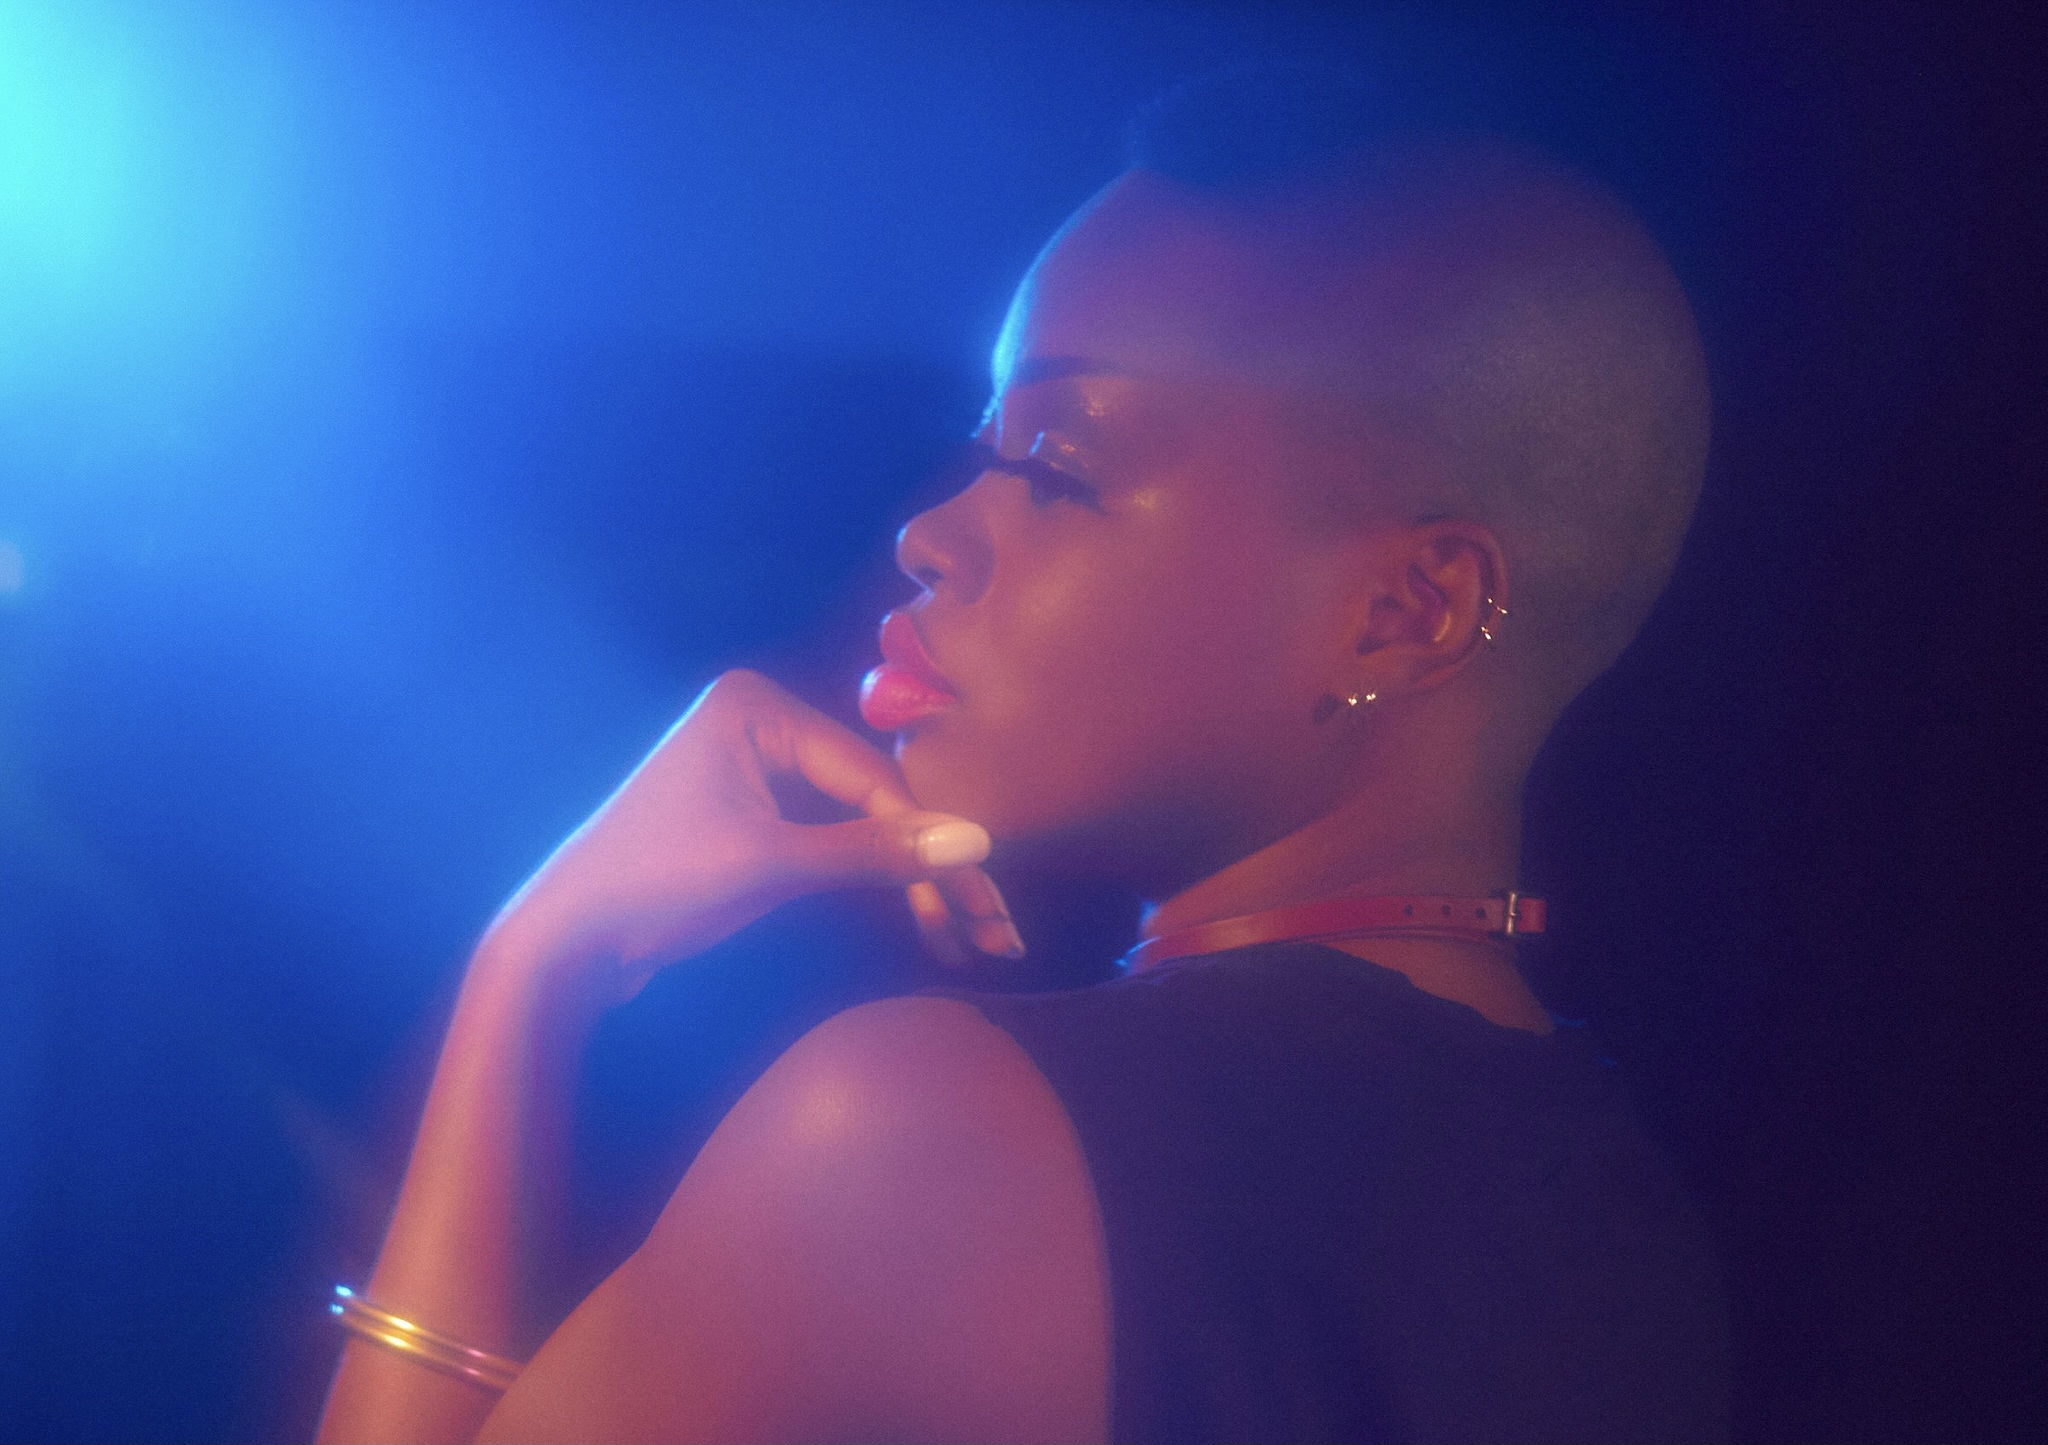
{"x":423,"y":1346}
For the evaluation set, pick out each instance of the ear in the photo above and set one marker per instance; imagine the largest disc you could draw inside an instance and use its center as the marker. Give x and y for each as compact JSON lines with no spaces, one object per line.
{"x":1437,"y":599}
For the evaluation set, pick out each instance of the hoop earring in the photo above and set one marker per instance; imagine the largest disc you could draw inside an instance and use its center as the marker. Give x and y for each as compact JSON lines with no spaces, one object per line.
{"x":1495,"y":615}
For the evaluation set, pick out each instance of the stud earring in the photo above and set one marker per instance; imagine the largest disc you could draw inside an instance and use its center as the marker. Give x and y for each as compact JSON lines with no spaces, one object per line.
{"x":1328,"y":705}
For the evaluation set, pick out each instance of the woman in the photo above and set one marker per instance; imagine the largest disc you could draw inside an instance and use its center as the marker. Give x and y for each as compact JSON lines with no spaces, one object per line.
{"x":1319,"y":477}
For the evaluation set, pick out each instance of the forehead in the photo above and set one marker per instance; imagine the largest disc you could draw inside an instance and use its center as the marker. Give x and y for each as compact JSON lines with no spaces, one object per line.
{"x":1184,"y":325}
{"x":1155,"y":281}
{"x":1136,"y":284}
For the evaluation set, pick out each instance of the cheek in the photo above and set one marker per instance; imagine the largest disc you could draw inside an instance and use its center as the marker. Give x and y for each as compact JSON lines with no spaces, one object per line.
{"x":1107,"y":681}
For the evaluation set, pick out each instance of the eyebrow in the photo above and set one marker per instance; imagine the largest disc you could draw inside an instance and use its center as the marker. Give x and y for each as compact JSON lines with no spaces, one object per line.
{"x":1055,"y":368}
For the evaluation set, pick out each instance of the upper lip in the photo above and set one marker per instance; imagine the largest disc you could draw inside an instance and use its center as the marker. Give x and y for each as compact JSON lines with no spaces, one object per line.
{"x":903,"y":647}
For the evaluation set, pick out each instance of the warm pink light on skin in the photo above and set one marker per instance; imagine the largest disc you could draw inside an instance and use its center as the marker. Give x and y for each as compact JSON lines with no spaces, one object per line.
{"x":1130,"y":676}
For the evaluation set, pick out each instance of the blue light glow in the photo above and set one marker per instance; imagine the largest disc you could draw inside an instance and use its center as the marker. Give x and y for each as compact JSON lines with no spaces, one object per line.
{"x":142,"y":166}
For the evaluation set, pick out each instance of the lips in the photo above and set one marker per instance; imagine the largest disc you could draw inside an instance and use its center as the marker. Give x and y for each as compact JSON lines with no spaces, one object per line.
{"x":908,"y":685}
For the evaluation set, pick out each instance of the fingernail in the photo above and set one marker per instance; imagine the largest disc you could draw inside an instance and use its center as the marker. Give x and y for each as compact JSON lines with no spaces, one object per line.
{"x":998,"y":936}
{"x":949,"y":845}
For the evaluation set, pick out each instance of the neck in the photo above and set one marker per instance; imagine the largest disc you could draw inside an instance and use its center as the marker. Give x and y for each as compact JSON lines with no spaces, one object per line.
{"x":1354,"y":852}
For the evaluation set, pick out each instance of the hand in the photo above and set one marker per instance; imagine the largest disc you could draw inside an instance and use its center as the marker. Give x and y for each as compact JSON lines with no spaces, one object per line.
{"x":693,"y":846}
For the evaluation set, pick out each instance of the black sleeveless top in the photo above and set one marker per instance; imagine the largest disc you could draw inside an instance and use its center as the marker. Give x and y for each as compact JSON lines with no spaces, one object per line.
{"x":1337,"y":1208}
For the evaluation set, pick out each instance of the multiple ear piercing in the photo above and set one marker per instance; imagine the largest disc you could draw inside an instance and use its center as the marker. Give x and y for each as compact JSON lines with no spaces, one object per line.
{"x":1328,"y":705}
{"x":1495,"y":615}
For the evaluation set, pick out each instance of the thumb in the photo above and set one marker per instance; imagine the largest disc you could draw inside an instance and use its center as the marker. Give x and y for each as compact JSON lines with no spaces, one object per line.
{"x":903,"y":848}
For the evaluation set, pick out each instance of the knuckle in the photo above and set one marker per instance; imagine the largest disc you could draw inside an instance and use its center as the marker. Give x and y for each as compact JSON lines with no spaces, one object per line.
{"x":733,"y":694}
{"x":733,"y":685}
{"x":879,"y":851}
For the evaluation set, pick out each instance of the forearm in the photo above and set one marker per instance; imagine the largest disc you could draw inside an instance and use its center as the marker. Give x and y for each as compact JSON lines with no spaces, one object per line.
{"x":688,"y":850}
{"x":472,"y":1212}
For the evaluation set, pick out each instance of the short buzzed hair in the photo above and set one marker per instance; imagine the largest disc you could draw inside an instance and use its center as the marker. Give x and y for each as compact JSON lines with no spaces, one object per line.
{"x":1532,"y":342}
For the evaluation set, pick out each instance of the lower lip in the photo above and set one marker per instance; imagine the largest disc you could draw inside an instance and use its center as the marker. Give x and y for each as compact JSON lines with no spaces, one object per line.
{"x":892,"y":699}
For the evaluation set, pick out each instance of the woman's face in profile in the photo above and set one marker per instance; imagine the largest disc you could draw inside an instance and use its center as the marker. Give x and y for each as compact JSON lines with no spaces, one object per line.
{"x":1132,"y":616}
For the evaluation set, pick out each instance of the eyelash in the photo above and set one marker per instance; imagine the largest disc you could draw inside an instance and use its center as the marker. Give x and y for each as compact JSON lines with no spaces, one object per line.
{"x":1048,"y":483}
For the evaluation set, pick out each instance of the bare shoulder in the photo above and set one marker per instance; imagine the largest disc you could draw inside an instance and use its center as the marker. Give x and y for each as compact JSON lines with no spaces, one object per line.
{"x":904,"y":1074}
{"x":892,"y":1233}
{"x":893,"y":1051}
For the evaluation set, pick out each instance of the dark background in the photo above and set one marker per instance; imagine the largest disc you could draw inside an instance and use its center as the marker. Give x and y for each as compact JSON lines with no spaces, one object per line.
{"x":404,"y":409}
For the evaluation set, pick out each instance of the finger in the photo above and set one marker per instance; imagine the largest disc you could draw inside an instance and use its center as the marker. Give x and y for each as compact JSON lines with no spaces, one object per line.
{"x":979,"y":911}
{"x":935,"y":925}
{"x":796,"y":739}
{"x":901,"y":848}
{"x":954,"y":935}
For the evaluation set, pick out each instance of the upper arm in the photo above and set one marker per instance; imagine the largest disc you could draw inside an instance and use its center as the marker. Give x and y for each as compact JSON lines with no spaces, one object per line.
{"x":892,"y":1235}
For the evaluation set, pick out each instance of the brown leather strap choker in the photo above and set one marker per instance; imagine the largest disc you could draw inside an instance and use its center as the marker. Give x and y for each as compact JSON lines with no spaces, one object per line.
{"x":1500,"y":919}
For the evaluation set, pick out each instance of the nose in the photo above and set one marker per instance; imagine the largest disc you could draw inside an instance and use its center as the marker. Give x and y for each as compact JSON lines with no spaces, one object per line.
{"x":947,"y":547}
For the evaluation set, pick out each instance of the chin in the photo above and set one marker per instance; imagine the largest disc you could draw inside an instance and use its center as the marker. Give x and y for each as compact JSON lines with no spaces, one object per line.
{"x":1037,"y":809}
{"x":944,"y":781}
{"x":1016,"y":795}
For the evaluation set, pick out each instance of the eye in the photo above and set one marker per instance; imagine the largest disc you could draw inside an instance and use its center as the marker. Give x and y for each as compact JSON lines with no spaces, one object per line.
{"x":1047,"y":469}
{"x":1048,"y":483}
